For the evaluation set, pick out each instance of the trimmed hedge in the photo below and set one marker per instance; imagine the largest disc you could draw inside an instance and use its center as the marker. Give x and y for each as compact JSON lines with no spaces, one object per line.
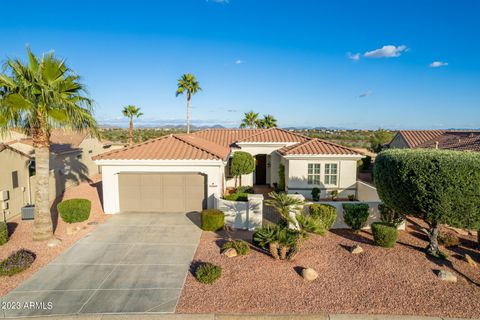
{"x":17,"y":262}
{"x":242,"y":247}
{"x":325,"y":212}
{"x":74,"y":210}
{"x":3,"y":233}
{"x":212,"y":219}
{"x":315,"y":194}
{"x":355,"y":215}
{"x":384,"y":234}
{"x":237,"y":197}
{"x":208,"y":273}
{"x":244,"y":189}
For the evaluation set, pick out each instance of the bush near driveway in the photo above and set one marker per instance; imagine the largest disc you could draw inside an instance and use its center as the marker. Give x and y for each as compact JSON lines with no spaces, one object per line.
{"x":242,"y":247}
{"x":356,"y":215}
{"x":384,"y":234}
{"x":3,"y":233}
{"x":208,"y":273}
{"x":437,"y":186}
{"x":212,"y":219}
{"x":17,"y":262}
{"x":325,"y":212}
{"x":74,"y":210}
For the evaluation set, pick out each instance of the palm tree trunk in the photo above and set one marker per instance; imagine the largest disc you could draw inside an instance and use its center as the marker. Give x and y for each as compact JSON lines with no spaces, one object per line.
{"x":42,"y":225}
{"x":131,"y":131}
{"x":188,"y":112}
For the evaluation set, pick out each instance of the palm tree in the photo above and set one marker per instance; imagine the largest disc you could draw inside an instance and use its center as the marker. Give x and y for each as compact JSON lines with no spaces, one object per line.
{"x":36,"y":97}
{"x":285,"y":205}
{"x":250,"y":120}
{"x":130,"y":112}
{"x":189,"y":84}
{"x":268,"y":121}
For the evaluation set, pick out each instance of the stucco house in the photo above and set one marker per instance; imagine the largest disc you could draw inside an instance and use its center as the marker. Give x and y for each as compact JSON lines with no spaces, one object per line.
{"x":185,"y":172}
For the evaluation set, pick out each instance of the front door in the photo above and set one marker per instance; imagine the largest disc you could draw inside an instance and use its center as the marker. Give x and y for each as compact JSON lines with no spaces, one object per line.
{"x":261,"y":169}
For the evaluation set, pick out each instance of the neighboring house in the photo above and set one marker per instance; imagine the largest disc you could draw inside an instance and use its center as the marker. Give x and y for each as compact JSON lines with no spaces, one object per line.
{"x":70,"y":163}
{"x":458,"y":140}
{"x":182,"y":173}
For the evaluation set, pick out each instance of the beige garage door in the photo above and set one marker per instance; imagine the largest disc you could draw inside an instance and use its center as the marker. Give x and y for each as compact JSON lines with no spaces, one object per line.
{"x":161,"y":192}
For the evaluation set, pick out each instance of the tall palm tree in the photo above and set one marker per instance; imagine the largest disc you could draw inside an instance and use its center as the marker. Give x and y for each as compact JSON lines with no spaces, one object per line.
{"x":268,"y":121}
{"x":36,"y":97}
{"x":130,"y":112}
{"x":189,"y":84}
{"x":250,"y":120}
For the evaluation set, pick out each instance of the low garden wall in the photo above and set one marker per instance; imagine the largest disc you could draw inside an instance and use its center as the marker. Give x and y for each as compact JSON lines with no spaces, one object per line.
{"x":240,"y":214}
{"x":366,"y":192}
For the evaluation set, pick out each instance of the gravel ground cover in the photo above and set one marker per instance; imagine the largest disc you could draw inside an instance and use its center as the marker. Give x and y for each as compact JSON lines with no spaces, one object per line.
{"x":21,"y":234}
{"x":402,"y":280}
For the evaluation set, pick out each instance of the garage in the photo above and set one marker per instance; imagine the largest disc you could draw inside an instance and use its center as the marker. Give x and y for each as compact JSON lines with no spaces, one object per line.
{"x":161,"y":192}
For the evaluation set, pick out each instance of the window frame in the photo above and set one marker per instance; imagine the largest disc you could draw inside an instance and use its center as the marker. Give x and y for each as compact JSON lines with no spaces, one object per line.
{"x":15,"y":180}
{"x":327,"y":175}
{"x":316,"y":177}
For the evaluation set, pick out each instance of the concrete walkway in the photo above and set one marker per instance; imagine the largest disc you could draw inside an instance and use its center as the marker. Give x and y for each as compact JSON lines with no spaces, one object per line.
{"x":135,"y":262}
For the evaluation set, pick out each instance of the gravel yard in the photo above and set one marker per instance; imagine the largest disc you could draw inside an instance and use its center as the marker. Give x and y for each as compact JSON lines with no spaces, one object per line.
{"x":380,"y":281}
{"x":21,"y":234}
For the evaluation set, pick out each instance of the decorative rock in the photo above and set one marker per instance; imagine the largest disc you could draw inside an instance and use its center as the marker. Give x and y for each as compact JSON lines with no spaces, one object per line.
{"x":54,"y":242}
{"x":356,"y":249}
{"x":309,"y":274}
{"x":92,"y":223}
{"x":445,"y":275}
{"x":470,"y":261}
{"x":230,"y":253}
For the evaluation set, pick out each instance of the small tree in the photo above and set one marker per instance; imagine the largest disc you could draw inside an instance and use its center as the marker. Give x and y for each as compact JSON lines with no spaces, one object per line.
{"x":242,"y":163}
{"x":437,"y":186}
{"x":281,"y":178}
{"x":379,"y":138}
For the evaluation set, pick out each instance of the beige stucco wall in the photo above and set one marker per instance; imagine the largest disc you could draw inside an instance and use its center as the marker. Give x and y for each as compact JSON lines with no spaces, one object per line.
{"x":11,"y":135}
{"x":12,"y":161}
{"x":366,"y":192}
{"x":296,"y":171}
{"x":398,"y":142}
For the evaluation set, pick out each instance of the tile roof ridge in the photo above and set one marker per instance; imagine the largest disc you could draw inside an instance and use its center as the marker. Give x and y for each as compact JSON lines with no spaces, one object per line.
{"x":337,"y":145}
{"x":101,"y":155}
{"x":203,"y":148}
{"x":271,"y":129}
{"x":294,"y":133}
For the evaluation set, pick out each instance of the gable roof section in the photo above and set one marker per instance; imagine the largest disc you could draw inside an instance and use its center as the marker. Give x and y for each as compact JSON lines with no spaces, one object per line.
{"x":274,"y":135}
{"x":455,"y":140}
{"x":317,"y":147}
{"x":171,"y":147}
{"x":4,"y":146}
{"x":414,"y":138}
{"x":226,"y":137}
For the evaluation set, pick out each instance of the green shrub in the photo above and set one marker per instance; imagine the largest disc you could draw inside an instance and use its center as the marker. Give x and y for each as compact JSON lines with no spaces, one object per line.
{"x":351,"y":197}
{"x":244,"y":189}
{"x":74,"y":210}
{"x":3,"y":233}
{"x":264,"y":236}
{"x":316,"y":194}
{"x":281,"y":178}
{"x":384,"y":234}
{"x":356,"y":215}
{"x":366,"y":162}
{"x":208,"y":273}
{"x":17,"y":262}
{"x":310,"y":224}
{"x":448,"y":239}
{"x":437,"y":186}
{"x":242,"y":247}
{"x":237,"y":197}
{"x":212,"y":219}
{"x":334,"y":195}
{"x":325,"y":212}
{"x":242,"y":163}
{"x":389,"y":215}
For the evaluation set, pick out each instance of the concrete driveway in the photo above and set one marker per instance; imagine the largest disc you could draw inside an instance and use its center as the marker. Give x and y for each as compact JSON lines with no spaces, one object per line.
{"x":135,"y":262}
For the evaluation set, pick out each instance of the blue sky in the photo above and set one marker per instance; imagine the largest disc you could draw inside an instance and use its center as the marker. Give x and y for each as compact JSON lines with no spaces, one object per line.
{"x":355,"y":64}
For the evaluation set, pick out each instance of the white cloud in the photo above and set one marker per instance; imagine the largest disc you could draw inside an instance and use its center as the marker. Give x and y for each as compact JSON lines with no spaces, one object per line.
{"x":438,"y":64}
{"x":239,"y":61}
{"x":365,"y":94}
{"x":388,"y":51}
{"x":219,"y":1}
{"x":353,"y":56}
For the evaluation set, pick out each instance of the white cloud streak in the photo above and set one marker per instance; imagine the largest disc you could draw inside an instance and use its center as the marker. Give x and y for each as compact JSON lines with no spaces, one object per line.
{"x":388,"y":51}
{"x":438,"y":64}
{"x":353,"y":56}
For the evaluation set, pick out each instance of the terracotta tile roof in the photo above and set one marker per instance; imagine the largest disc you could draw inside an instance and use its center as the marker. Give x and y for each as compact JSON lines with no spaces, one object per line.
{"x":455,"y":140}
{"x":171,"y":147}
{"x":317,"y":146}
{"x":61,"y":141}
{"x":55,"y":147}
{"x":275,"y":135}
{"x":4,"y":146}
{"x":413,"y":138}
{"x":226,"y":137}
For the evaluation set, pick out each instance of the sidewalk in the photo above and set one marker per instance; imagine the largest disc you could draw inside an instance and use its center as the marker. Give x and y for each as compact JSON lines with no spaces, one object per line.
{"x":236,"y":317}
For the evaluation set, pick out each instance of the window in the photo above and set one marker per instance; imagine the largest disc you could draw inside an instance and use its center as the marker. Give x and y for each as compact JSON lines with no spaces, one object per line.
{"x":14,"y":179}
{"x":331,"y":172}
{"x":313,"y":175}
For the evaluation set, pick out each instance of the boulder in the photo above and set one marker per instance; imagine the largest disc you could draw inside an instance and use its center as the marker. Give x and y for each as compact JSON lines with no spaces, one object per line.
{"x":54,"y":242}
{"x":356,"y":249}
{"x":470,"y":261}
{"x":447,"y":276}
{"x":309,"y":274}
{"x":230,"y":253}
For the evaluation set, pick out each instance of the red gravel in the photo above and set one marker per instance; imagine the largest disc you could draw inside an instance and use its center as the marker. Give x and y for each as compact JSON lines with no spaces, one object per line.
{"x":21,"y":234}
{"x":380,"y":281}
